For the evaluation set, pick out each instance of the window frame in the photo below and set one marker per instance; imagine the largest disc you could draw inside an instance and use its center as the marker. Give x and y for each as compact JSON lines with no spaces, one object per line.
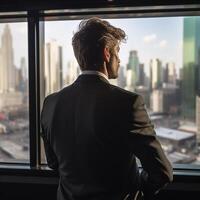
{"x":12,"y":18}
{"x":129,"y":12}
{"x":20,"y":171}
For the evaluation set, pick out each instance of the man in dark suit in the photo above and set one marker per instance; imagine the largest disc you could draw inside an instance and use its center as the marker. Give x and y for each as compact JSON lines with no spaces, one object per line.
{"x":93,"y":131}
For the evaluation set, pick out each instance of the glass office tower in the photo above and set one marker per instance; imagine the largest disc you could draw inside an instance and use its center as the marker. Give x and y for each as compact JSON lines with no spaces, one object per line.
{"x":191,"y":66}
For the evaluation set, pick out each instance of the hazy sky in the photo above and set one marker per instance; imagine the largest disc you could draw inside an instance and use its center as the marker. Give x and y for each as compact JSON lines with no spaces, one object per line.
{"x":151,"y":37}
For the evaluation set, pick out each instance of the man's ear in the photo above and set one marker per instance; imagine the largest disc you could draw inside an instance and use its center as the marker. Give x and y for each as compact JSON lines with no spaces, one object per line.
{"x":106,"y":54}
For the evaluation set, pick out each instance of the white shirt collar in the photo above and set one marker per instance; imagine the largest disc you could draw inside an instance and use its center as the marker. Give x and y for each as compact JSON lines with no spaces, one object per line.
{"x":92,"y":72}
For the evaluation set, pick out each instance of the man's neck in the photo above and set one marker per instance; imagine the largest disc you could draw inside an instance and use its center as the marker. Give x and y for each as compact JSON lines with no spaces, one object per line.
{"x":93,"y":72}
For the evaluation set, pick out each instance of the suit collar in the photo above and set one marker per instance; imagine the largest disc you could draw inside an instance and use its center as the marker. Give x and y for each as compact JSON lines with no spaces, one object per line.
{"x":92,"y":72}
{"x":91,"y":78}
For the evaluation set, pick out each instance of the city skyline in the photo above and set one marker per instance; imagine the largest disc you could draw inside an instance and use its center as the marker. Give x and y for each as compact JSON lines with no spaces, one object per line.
{"x":14,"y":104}
{"x":161,"y":88}
{"x":145,"y":35}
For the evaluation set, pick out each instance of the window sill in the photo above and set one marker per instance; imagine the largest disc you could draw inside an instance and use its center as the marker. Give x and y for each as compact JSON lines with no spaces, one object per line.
{"x":189,"y":179}
{"x":15,"y":173}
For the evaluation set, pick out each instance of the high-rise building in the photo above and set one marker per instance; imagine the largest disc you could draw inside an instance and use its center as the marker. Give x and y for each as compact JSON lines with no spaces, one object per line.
{"x":141,"y":80}
{"x":198,"y":117}
{"x":198,"y":105}
{"x":121,"y":80}
{"x":60,"y":64}
{"x":133,"y":60}
{"x":156,"y":102}
{"x":191,"y":64}
{"x":165,"y":100}
{"x":72,"y":72}
{"x":156,"y":73}
{"x":165,"y":74}
{"x":23,"y":76}
{"x":23,"y":68}
{"x":133,"y":70}
{"x":171,"y":73}
{"x":7,"y":75}
{"x":53,"y":67}
{"x":18,"y":79}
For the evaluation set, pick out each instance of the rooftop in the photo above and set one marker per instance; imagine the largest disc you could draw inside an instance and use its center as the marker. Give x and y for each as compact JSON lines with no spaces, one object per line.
{"x":173,"y":134}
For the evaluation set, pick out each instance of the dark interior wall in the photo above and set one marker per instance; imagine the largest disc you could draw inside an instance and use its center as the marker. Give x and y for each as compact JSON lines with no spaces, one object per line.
{"x":42,"y":185}
{"x":31,"y":189}
{"x":24,"y":191}
{"x":11,"y":5}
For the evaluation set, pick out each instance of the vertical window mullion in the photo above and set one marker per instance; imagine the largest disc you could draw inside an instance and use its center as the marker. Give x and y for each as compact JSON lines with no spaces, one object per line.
{"x":34,"y":98}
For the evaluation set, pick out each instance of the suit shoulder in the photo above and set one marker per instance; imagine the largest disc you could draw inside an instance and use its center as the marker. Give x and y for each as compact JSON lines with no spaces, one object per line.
{"x":50,"y":97}
{"x":125,"y":92}
{"x":54,"y":96}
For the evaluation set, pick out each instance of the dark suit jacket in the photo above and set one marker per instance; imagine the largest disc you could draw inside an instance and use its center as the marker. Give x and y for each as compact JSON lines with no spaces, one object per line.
{"x":92,"y":132}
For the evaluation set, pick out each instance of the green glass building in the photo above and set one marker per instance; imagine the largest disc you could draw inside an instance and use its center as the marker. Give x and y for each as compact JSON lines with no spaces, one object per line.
{"x":191,"y":66}
{"x":133,"y":65}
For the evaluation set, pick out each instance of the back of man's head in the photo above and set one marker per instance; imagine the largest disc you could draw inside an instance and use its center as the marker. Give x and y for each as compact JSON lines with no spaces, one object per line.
{"x":92,"y":37}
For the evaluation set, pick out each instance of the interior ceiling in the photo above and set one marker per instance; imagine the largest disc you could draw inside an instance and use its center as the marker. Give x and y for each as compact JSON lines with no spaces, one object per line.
{"x":16,"y":5}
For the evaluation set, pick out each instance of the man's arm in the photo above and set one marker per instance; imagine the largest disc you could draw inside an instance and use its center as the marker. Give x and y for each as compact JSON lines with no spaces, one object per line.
{"x":157,"y":170}
{"x":50,"y":155}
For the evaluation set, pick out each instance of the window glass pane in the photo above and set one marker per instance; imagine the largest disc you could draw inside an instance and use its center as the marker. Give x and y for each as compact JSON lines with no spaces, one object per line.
{"x":160,"y":61}
{"x":14,"y":117}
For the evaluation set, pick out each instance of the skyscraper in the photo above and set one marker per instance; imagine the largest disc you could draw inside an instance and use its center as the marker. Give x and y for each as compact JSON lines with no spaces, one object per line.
{"x":121,"y":80}
{"x":132,"y":70}
{"x":170,"y":73}
{"x":191,"y":65}
{"x":60,"y":64}
{"x":156,"y":102}
{"x":72,"y":72}
{"x":7,"y":75}
{"x":141,"y":80}
{"x":198,"y":117}
{"x":156,"y":73}
{"x":53,"y":67}
{"x":23,"y":68}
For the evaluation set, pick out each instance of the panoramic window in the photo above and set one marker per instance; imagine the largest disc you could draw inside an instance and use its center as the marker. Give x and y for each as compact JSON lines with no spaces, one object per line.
{"x":14,"y":108}
{"x":161,"y":64}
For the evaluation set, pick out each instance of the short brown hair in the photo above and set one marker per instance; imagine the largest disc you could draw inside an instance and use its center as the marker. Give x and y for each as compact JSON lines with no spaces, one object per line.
{"x":92,"y":37}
